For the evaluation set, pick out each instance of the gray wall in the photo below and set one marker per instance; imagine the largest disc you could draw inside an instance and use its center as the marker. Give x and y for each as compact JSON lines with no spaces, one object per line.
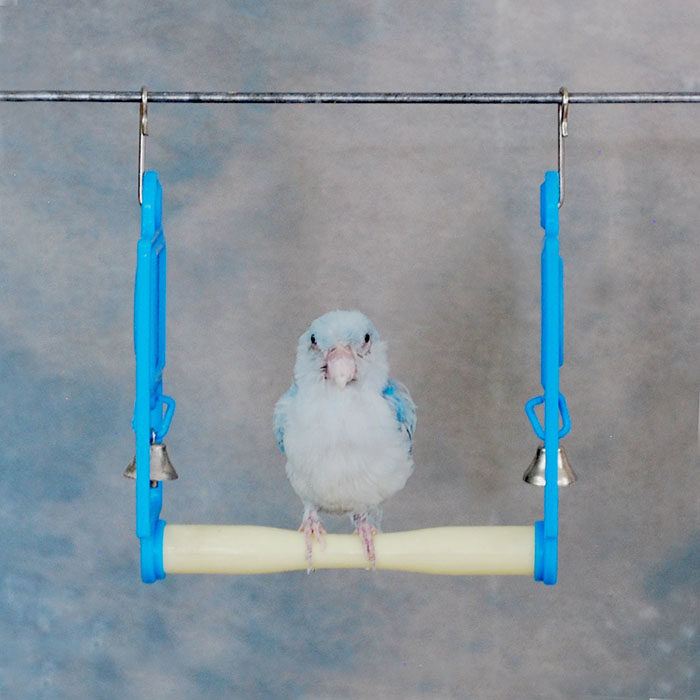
{"x":424,"y":217}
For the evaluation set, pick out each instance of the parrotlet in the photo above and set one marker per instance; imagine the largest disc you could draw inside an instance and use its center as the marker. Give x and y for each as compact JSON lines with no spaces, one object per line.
{"x":345,"y":427}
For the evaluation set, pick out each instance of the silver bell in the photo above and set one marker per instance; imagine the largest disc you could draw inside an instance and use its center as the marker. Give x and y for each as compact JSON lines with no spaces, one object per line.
{"x":161,"y":467}
{"x":535,"y":472}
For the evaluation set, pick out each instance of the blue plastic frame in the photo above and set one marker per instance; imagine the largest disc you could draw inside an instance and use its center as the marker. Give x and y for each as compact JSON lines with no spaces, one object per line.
{"x":151,"y":422}
{"x":153,"y":411}
{"x":552,"y":358}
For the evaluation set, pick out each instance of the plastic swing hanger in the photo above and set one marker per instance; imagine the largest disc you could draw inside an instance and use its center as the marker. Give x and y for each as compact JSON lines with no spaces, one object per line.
{"x":556,"y":467}
{"x":150,"y":422}
{"x":239,"y":549}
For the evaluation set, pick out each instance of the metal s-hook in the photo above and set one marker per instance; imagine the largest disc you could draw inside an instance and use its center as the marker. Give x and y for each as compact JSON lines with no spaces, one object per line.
{"x":143,"y":132}
{"x":562,"y":133}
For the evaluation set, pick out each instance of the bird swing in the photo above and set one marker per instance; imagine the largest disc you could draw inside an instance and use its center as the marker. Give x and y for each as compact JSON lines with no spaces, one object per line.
{"x":530,"y":550}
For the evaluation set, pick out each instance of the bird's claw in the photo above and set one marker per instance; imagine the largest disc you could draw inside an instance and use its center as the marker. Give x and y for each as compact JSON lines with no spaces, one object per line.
{"x":312,"y":527}
{"x":366,"y":531}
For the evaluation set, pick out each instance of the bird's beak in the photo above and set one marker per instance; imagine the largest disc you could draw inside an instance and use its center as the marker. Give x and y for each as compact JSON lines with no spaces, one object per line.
{"x":340,"y":365}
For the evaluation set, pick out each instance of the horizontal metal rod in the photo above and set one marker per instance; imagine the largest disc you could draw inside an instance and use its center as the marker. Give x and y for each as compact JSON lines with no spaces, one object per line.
{"x":352,"y":97}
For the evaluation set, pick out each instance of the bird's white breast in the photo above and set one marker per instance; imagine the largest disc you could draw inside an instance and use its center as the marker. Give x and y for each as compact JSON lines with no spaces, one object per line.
{"x":345,"y":452}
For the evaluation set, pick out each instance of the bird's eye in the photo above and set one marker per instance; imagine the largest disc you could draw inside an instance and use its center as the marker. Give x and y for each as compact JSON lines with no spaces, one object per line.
{"x":367,"y":337}
{"x":313,"y":339}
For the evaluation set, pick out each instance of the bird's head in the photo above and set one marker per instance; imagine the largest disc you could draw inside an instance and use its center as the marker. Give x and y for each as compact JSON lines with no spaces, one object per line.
{"x":344,"y":349}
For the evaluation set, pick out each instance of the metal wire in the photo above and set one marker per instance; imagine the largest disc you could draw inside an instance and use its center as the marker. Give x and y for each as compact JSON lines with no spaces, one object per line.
{"x":143,"y":132}
{"x":352,"y":97}
{"x":562,"y":133}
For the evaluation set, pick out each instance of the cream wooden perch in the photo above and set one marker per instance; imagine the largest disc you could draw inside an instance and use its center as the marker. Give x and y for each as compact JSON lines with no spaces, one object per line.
{"x":248,"y":549}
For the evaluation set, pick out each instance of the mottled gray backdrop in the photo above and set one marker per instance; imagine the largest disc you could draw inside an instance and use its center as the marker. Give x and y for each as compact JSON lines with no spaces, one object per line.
{"x":424,"y":217}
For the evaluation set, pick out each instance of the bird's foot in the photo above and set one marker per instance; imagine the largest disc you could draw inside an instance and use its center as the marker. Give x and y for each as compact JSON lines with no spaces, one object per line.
{"x":312,"y":527}
{"x":366,"y":531}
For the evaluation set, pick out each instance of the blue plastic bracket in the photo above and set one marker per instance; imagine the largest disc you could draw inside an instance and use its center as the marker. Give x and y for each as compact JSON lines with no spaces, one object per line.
{"x":535,"y":422}
{"x":169,"y":404}
{"x":552,"y":352}
{"x":150,"y":422}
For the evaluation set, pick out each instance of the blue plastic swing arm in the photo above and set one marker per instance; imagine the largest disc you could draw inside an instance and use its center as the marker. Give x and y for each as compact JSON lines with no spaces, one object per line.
{"x":552,"y":356}
{"x":150,"y":422}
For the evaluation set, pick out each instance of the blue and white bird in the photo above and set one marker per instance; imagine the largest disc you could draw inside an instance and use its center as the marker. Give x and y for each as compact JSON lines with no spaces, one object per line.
{"x":345,"y":427}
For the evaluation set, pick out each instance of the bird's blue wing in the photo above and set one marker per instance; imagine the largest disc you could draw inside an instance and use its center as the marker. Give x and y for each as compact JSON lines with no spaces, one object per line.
{"x":280,"y":419}
{"x":400,"y":400}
